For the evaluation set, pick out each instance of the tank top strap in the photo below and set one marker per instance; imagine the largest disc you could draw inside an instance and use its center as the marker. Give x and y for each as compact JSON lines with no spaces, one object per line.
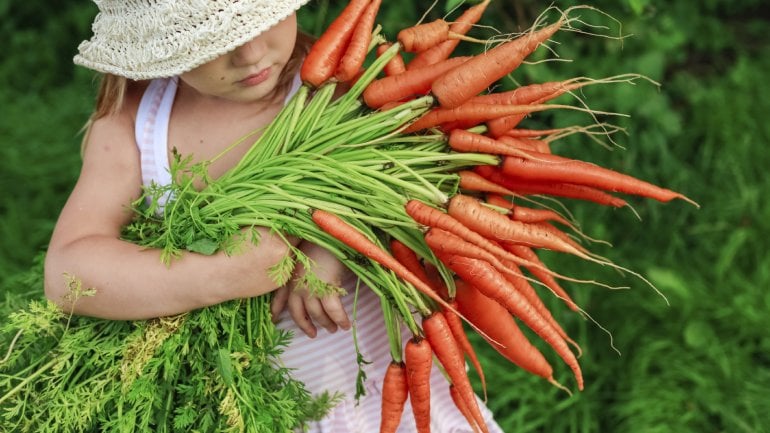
{"x":151,"y":130}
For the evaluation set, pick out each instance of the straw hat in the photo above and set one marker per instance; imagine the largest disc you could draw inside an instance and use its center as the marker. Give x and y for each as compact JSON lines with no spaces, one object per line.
{"x":144,"y":39}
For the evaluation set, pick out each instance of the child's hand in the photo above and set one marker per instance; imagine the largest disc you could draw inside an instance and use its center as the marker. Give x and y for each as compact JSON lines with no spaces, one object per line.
{"x":307,"y":310}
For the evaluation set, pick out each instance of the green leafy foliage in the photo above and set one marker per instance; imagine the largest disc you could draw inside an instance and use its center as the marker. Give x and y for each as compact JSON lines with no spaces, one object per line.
{"x":698,"y":364}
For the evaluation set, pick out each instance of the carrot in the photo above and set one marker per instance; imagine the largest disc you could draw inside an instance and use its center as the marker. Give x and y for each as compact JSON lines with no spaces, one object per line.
{"x":520,"y":283}
{"x":553,"y":168}
{"x":544,"y":277}
{"x":471,"y":181}
{"x":504,"y":334}
{"x":418,"y":360}
{"x":491,"y":283}
{"x":443,"y":50}
{"x":530,"y":144}
{"x":466,"y":141}
{"x":462,"y":407}
{"x":494,"y":225}
{"x":394,"y":394}
{"x":321,"y":62}
{"x":396,"y":65}
{"x":423,"y":36}
{"x":409,"y":83}
{"x":527,"y":214}
{"x":558,"y":189}
{"x":443,"y":243}
{"x":355,"y":53}
{"x":457,"y":86}
{"x":350,"y":236}
{"x":409,"y":259}
{"x":473,"y":113}
{"x":458,"y":332}
{"x":439,"y":335}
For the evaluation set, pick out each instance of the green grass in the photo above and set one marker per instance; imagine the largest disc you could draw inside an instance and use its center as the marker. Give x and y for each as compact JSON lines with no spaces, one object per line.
{"x":697,"y":364}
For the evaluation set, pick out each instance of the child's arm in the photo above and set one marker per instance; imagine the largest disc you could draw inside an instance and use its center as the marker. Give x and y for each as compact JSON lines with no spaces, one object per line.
{"x":131,"y":282}
{"x":306,"y":310}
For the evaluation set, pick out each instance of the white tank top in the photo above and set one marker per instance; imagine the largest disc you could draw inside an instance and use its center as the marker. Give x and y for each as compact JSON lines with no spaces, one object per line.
{"x":327,"y":362}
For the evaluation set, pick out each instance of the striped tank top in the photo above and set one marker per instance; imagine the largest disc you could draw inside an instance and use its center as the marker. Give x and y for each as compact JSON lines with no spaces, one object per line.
{"x":327,"y":362}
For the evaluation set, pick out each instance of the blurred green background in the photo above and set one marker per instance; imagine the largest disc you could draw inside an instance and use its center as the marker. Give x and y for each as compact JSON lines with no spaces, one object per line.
{"x":698,"y":362}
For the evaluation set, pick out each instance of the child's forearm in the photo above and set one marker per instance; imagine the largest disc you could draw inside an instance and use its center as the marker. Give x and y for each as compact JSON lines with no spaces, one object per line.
{"x":132,"y":283}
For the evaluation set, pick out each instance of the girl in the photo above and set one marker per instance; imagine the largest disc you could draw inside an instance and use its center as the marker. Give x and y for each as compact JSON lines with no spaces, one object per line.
{"x":194,"y":77}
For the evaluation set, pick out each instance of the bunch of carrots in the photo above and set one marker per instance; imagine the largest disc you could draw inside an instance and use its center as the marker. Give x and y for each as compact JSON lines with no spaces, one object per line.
{"x":478,"y":233}
{"x":413,"y":177}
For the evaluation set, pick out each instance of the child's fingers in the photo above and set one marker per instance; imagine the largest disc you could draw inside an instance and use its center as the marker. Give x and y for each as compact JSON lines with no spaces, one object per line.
{"x":315,"y":309}
{"x":280,"y":298}
{"x":333,"y":307}
{"x":296,"y":306}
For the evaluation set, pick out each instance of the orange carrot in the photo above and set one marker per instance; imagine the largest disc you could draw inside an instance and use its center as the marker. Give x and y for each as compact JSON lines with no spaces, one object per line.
{"x":355,"y":53}
{"x":418,"y":359}
{"x":458,"y":332}
{"x":466,"y":141}
{"x":409,"y":259}
{"x":491,"y":283}
{"x":522,"y":286}
{"x":530,"y":144}
{"x":471,"y":181}
{"x":395,"y":65}
{"x":409,"y":83}
{"x":439,"y":335}
{"x":459,"y":85}
{"x":494,"y":225}
{"x":321,"y":62}
{"x":443,"y":50}
{"x":423,"y":36}
{"x":544,"y":277}
{"x":552,"y":168}
{"x":558,"y":189}
{"x":473,"y":113}
{"x":394,"y":394}
{"x":457,"y":399}
{"x":498,"y":324}
{"x":350,"y":236}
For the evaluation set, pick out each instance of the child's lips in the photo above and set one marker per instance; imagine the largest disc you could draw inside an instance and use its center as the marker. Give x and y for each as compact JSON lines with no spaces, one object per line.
{"x":256,"y":78}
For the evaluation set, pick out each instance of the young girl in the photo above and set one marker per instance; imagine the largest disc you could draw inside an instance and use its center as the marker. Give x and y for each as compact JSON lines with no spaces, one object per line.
{"x":195,"y":77}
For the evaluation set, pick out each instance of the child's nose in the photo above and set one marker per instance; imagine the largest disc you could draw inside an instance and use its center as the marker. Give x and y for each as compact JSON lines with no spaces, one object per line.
{"x":250,"y":53}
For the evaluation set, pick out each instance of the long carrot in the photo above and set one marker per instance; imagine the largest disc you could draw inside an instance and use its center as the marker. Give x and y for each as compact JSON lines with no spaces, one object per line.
{"x":527,"y":214}
{"x":544,"y":277}
{"x":439,"y":334}
{"x":486,"y":279}
{"x":531,"y":144}
{"x":458,"y":332}
{"x":457,"y":399}
{"x":472,"y":181}
{"x":418,"y":359}
{"x":552,"y":168}
{"x":395,"y":391}
{"x":558,"y":189}
{"x":353,"y":238}
{"x":466,"y":141}
{"x":473,"y":113}
{"x":396,"y":65}
{"x":459,"y":85}
{"x":443,"y":50}
{"x":409,"y":83}
{"x":355,"y":53}
{"x":409,"y":259}
{"x":506,"y":337}
{"x":321,"y":62}
{"x":423,"y":36}
{"x":494,"y":225}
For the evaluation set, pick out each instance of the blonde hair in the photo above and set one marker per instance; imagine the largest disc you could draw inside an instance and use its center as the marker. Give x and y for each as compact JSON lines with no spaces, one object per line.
{"x":111,"y":94}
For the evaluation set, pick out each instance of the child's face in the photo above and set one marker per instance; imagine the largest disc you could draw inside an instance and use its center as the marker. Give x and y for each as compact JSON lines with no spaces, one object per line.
{"x":250,"y":72}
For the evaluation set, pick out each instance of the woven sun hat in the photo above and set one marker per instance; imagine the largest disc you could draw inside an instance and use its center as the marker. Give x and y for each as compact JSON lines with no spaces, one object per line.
{"x":145,"y":39}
